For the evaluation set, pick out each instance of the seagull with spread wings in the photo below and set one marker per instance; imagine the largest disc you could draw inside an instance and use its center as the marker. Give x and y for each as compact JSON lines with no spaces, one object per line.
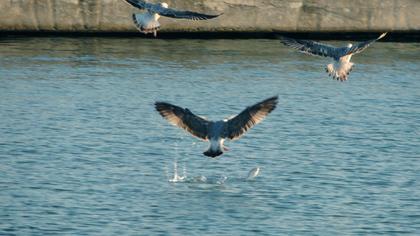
{"x":342,"y":66}
{"x":148,"y":22}
{"x":216,"y":132}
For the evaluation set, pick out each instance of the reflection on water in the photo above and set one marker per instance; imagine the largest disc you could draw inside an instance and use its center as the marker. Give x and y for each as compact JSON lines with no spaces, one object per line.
{"x":82,"y":150}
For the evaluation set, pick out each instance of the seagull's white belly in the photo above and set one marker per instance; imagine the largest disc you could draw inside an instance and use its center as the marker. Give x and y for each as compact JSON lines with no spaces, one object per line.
{"x":216,"y":144}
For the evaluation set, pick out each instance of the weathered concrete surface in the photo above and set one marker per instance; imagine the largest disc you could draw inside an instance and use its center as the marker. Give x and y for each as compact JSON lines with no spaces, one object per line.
{"x":239,"y":15}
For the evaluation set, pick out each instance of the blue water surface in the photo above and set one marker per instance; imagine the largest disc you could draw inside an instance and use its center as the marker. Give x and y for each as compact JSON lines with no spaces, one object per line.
{"x":82,"y":151}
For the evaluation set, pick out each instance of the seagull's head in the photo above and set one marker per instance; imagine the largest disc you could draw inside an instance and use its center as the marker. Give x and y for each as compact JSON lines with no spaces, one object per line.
{"x":164,"y":5}
{"x":349,"y":45}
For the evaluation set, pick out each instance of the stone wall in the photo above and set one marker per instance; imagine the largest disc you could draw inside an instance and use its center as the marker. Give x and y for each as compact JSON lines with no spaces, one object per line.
{"x":239,"y":15}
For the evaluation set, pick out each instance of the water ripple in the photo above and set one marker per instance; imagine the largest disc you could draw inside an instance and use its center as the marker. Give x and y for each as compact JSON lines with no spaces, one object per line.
{"x":82,"y":150}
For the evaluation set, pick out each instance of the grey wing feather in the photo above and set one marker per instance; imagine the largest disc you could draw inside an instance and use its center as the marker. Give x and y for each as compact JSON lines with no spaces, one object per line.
{"x":168,"y":12}
{"x":312,"y":47}
{"x":238,"y":125}
{"x":362,"y":45}
{"x":139,"y":4}
{"x":184,"y":118}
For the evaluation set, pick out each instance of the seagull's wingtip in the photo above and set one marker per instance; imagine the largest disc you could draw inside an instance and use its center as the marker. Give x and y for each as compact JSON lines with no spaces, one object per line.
{"x":383,"y":35}
{"x":214,"y":16}
{"x":276,"y":98}
{"x":160,"y":105}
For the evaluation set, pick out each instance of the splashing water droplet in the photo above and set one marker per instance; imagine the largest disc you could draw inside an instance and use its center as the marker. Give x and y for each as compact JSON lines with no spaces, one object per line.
{"x":176,"y":177}
{"x":222,"y":180}
{"x":184,"y":170}
{"x":200,"y":179}
{"x":166,"y":172}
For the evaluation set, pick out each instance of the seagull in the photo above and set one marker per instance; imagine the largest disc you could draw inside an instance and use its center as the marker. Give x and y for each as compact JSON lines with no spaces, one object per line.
{"x":216,"y":132}
{"x":148,"y":22}
{"x":341,"y":67}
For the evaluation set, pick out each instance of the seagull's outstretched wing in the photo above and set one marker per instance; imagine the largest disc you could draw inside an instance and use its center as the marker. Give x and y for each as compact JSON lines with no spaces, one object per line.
{"x":168,"y":12}
{"x":184,"y":118}
{"x":139,"y":4}
{"x":362,"y":45}
{"x":238,"y":125}
{"x":312,"y":47}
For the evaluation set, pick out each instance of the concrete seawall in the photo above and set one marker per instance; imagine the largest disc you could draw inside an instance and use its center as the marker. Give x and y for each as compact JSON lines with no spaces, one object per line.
{"x":239,"y":16}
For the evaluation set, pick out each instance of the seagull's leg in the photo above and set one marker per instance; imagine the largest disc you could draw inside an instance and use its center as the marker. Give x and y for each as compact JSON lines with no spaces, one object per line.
{"x":154,"y":32}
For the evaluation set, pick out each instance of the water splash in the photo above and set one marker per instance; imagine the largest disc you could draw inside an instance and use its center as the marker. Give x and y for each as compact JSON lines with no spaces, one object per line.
{"x":221,"y":180}
{"x":176,"y":177}
{"x":200,"y":179}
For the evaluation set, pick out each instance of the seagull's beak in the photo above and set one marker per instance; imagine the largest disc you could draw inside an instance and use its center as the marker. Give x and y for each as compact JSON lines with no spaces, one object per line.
{"x":225,"y":149}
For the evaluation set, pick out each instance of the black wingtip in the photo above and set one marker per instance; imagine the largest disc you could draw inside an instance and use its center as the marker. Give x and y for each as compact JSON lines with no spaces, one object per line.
{"x":161,"y":105}
{"x":286,"y":40}
{"x":133,"y":3}
{"x":207,"y":17}
{"x":270,"y":103}
{"x":214,"y":16}
{"x":274,"y":99}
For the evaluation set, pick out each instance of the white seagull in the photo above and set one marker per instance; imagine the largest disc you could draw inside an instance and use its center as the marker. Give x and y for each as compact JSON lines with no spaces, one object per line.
{"x":148,"y":22}
{"x":216,"y":131}
{"x":341,"y":67}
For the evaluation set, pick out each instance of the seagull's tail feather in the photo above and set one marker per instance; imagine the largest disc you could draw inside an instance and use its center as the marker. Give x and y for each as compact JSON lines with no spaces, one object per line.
{"x":330,"y":69}
{"x":341,"y":72}
{"x":212,"y":153}
{"x":344,"y":70}
{"x":145,"y":23}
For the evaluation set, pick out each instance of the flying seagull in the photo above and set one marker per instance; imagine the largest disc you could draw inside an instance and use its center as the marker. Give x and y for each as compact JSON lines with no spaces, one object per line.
{"x":341,"y":67}
{"x":216,"y":131}
{"x":148,"y":22}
